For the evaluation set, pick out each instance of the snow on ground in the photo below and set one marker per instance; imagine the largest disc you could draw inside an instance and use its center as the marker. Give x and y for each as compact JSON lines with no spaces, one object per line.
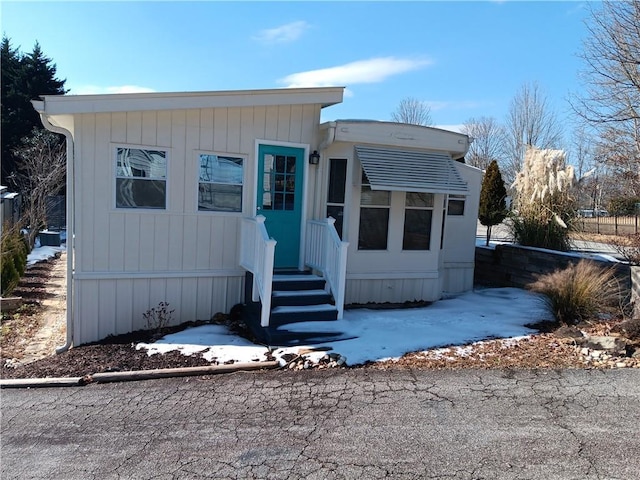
{"x":371,"y":335}
{"x":381,"y":334}
{"x":41,"y":253}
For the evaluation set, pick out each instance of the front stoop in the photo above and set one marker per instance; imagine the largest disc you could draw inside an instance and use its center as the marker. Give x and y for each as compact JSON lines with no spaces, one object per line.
{"x":298,"y":297}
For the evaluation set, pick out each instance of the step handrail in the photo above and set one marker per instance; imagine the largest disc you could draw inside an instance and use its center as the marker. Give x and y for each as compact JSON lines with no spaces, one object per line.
{"x":257,"y":251}
{"x":325,"y":252}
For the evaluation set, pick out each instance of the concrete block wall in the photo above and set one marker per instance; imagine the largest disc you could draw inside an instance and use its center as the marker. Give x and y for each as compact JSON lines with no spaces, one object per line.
{"x":517,"y":266}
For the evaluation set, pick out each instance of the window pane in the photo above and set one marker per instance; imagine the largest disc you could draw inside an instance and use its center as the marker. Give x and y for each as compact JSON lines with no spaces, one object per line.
{"x":220,"y":198}
{"x":132,"y":193}
{"x":337,"y":180}
{"x":374,"y":197}
{"x":419,"y":199}
{"x":456,"y":207}
{"x":374,"y":224}
{"x":417,"y":230}
{"x":337,"y":213}
{"x":291,"y":164}
{"x":216,"y":169}
{"x":135,"y":162}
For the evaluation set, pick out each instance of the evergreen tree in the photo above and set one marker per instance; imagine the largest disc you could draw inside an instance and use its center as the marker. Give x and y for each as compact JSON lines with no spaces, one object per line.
{"x":24,"y":78}
{"x":492,"y":198}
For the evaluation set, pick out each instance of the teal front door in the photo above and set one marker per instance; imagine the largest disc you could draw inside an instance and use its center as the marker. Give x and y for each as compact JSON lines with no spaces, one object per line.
{"x":280,"y":190}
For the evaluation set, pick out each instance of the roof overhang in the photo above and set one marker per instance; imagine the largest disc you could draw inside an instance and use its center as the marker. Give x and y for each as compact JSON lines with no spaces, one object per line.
{"x":126,"y":102}
{"x":410,"y":170}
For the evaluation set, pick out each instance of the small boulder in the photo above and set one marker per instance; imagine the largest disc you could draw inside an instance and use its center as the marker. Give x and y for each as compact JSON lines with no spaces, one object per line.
{"x":613,"y":345}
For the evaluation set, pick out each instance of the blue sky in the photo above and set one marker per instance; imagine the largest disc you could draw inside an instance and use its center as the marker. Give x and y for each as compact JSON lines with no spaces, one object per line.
{"x":465,"y":59}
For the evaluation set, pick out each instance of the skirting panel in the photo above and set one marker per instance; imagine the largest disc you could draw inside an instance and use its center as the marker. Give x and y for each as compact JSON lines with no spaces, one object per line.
{"x":457,"y":279}
{"x":394,"y":290}
{"x":113,"y":307}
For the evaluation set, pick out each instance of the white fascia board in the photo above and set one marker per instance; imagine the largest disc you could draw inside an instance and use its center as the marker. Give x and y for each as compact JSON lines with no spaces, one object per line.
{"x":128,"y":102}
{"x":401,"y":135}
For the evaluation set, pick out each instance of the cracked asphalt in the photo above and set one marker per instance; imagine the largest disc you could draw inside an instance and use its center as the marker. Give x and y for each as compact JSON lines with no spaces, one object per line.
{"x":331,"y":424}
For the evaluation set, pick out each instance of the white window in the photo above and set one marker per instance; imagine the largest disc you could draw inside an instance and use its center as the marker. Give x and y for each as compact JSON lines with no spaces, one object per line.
{"x":418,"y":214}
{"x":141,"y":178}
{"x":374,"y":217}
{"x":220,"y":183}
{"x":456,"y":205}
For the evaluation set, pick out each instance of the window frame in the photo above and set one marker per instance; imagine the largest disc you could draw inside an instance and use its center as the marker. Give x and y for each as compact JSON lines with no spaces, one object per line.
{"x":429,"y":208}
{"x":340,"y":223}
{"x":116,"y":147}
{"x":198,"y":154}
{"x":459,"y":199}
{"x":373,"y":206}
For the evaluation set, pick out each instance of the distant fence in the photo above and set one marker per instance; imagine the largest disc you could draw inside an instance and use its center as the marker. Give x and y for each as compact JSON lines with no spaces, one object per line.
{"x":627,"y":225}
{"x":56,"y":212}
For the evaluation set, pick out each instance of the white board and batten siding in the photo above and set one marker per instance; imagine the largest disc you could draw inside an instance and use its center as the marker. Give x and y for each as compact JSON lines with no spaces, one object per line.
{"x":129,"y":260}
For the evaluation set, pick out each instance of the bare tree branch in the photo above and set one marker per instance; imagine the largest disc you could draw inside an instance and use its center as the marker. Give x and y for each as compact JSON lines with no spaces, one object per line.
{"x":413,"y":111}
{"x":488,"y":141}
{"x":42,"y":165}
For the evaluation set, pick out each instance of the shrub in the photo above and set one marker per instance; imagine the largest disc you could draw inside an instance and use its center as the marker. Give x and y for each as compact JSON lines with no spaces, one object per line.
{"x":158,"y":317}
{"x":542,"y":198}
{"x":628,"y":247}
{"x":14,"y":257}
{"x":579,"y":292}
{"x":535,"y":231}
{"x":492,"y":210}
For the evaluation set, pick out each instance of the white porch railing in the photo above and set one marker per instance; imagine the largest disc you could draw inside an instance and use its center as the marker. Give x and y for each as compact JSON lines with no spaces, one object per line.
{"x":257,"y":251}
{"x":325,"y":252}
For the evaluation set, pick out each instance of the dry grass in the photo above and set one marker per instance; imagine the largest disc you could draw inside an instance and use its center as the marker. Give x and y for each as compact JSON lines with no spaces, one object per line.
{"x":579,"y":292}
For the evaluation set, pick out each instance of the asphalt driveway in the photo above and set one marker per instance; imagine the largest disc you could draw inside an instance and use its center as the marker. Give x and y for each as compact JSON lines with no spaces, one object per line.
{"x":331,"y":424}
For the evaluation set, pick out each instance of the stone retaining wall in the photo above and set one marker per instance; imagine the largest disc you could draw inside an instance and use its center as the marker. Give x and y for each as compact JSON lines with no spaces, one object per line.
{"x":516,"y":266}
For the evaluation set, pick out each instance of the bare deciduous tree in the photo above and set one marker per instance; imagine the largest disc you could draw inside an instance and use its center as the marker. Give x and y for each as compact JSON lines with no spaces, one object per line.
{"x":611,"y":102}
{"x":530,"y":123}
{"x":413,"y":111}
{"x":42,"y":164}
{"x":488,"y":141}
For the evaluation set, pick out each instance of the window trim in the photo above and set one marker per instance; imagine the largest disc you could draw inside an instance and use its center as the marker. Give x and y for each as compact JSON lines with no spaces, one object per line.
{"x":114,"y":149}
{"x":456,"y":198}
{"x":243,"y":201}
{"x":365,"y":183}
{"x":344,"y":204}
{"x":422,"y":208}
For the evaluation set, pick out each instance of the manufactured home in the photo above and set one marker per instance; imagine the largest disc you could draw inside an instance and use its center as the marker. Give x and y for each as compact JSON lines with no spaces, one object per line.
{"x":206,"y":200}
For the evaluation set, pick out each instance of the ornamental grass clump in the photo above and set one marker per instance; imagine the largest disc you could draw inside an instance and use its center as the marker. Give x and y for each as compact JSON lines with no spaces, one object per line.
{"x":542,"y":196}
{"x":579,"y":292}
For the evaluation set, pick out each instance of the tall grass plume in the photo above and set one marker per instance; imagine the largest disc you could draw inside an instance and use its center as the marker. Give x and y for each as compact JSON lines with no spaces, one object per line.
{"x":579,"y":292}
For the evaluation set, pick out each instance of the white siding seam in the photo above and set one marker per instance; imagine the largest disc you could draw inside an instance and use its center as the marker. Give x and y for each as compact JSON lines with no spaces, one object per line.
{"x":152,"y":275}
{"x":393,"y":275}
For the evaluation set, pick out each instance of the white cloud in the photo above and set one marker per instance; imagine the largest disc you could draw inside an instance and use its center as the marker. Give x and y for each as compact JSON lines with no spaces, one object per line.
{"x":374,"y":70}
{"x":96,"y":90}
{"x":283,"y":34}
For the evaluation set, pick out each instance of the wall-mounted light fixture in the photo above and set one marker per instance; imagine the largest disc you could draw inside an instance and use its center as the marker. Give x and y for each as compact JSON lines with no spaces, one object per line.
{"x":314,"y":158}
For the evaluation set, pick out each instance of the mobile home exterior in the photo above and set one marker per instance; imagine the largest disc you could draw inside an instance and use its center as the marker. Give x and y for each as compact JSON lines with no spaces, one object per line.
{"x":162,"y":186}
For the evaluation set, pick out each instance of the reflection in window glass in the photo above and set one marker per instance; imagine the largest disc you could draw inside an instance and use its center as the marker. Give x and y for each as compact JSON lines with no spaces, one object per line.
{"x":374,"y":225}
{"x":419,"y":199}
{"x":417,"y":230}
{"x":220,"y":183}
{"x":418,"y":214}
{"x":140,"y":178}
{"x":374,"y":217}
{"x":279,"y":182}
